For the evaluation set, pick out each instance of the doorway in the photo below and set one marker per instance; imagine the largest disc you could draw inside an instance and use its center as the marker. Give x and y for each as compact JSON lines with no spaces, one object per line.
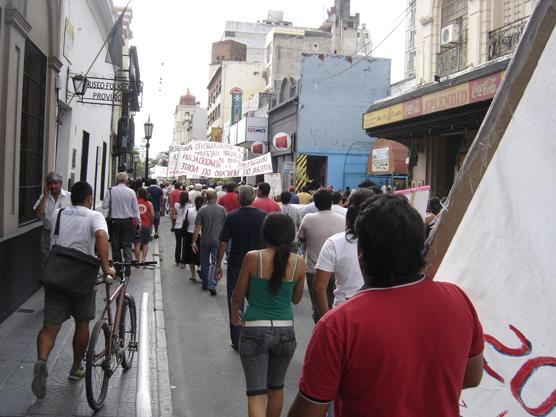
{"x":84,"y":156}
{"x":316,"y":170}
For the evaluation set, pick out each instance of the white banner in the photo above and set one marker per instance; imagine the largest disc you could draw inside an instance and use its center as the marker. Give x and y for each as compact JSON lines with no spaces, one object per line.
{"x":418,"y":197}
{"x":188,"y":163}
{"x":502,"y":255}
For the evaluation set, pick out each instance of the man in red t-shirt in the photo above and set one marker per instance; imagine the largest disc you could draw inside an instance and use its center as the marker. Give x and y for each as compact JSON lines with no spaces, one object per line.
{"x":404,"y":345}
{"x":229,"y":201}
{"x":174,"y":196}
{"x":262,"y":202}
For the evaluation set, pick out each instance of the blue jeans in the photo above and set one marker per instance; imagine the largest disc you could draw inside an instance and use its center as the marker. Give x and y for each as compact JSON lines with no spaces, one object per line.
{"x":208,"y":264}
{"x":231,"y":280}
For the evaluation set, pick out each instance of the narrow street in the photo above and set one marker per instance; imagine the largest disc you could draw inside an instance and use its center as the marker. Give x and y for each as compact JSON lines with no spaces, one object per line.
{"x":205,"y":372}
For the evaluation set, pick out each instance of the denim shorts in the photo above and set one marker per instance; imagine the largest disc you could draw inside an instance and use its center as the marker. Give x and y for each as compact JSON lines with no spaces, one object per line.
{"x":265,"y":354}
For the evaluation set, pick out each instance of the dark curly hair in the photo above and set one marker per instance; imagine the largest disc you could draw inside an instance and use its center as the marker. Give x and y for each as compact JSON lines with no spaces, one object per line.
{"x":356,"y":200}
{"x":391,"y":239}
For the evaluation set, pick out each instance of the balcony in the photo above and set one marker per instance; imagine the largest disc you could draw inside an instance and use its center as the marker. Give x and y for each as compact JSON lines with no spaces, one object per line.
{"x":504,"y":40}
{"x":451,"y":60}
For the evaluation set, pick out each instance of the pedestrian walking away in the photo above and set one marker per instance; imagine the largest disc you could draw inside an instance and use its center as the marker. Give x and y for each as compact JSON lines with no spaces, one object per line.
{"x":157,"y":197}
{"x":272,"y":279}
{"x":338,"y":257}
{"x":82,"y":229}
{"x":263,"y":202}
{"x":315,"y":228}
{"x":188,"y":257}
{"x":174,"y":197}
{"x":243,"y":228}
{"x":145,"y":229}
{"x":229,"y":200}
{"x":209,"y":221}
{"x":403,"y":345}
{"x":180,"y":210}
{"x":123,"y":204}
{"x":52,"y":198}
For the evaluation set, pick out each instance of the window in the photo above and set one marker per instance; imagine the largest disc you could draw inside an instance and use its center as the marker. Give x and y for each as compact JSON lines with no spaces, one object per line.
{"x":84,"y":156}
{"x":32,"y":131}
{"x":73,"y":157}
{"x":229,"y":34}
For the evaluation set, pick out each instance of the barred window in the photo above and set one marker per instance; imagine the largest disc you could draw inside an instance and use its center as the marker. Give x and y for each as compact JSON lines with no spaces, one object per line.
{"x":32,"y":131}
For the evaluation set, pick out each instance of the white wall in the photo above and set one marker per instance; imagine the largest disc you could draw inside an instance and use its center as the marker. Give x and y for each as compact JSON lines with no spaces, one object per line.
{"x":91,"y":28}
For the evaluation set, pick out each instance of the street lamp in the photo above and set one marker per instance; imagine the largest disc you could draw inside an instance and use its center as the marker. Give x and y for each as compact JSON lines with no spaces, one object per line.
{"x":79,"y":84}
{"x":148,"y":135}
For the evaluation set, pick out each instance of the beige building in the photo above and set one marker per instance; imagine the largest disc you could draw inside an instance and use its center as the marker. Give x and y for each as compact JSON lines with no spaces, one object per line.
{"x":456,"y":55}
{"x":190,"y":120}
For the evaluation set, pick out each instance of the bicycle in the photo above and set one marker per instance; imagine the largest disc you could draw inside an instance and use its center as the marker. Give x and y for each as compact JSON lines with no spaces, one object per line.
{"x":113,"y":339}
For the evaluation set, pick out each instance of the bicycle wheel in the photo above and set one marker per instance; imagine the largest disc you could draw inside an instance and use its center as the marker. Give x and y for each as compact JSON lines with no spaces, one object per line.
{"x":97,"y":365}
{"x":128,"y":332}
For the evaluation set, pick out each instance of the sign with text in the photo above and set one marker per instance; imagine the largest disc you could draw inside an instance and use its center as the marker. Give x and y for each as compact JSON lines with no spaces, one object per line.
{"x":104,"y":91}
{"x":473,"y":91}
{"x":237,"y":95}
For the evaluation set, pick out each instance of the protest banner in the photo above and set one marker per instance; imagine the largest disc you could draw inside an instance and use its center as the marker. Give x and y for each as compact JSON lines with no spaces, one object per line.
{"x":418,"y":198}
{"x":498,"y":244}
{"x":275,"y":181}
{"x":192,"y":164}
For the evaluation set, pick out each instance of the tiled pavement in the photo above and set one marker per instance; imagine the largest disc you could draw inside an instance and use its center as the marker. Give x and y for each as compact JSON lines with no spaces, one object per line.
{"x":67,"y":398}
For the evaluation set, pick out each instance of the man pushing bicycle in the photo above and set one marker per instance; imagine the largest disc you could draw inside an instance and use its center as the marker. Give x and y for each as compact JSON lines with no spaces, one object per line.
{"x":78,"y":228}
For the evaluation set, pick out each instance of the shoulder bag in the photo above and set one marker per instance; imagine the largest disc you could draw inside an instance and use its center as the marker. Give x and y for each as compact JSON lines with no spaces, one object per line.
{"x":69,"y":271}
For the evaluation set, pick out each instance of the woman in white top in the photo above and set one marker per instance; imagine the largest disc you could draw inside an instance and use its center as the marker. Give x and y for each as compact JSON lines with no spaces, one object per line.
{"x":188,"y":256}
{"x":181,"y":209}
{"x":338,"y":256}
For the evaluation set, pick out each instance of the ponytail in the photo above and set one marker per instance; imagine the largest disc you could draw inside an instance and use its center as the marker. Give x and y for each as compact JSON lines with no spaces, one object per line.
{"x":280,"y":262}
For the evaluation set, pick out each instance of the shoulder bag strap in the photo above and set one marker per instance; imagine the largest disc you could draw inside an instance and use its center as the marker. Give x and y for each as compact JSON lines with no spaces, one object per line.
{"x":110,"y":202}
{"x":57,"y":228}
{"x":295,"y":267}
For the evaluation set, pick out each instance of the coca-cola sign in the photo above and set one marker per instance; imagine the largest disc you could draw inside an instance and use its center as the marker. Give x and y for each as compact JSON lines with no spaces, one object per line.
{"x":484,"y":88}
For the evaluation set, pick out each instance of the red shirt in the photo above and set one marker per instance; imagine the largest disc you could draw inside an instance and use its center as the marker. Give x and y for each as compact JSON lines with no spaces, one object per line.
{"x":266,"y":204}
{"x":145,"y":212}
{"x":229,"y":201}
{"x":174,"y":197}
{"x":399,"y":351}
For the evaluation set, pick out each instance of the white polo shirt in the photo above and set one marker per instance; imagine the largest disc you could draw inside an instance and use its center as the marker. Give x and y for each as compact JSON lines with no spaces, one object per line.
{"x":63,"y":201}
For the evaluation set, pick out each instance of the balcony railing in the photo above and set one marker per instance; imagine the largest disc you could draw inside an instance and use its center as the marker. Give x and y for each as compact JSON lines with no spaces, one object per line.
{"x":451,"y":60}
{"x":504,"y":40}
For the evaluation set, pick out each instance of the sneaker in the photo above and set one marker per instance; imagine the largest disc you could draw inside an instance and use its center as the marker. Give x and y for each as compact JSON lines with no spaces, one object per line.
{"x":76,"y":373}
{"x":156,"y":235}
{"x":40,"y":373}
{"x":212,"y":291}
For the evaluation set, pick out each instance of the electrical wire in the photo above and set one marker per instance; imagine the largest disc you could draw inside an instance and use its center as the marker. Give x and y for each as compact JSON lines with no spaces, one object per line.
{"x":364,"y":56}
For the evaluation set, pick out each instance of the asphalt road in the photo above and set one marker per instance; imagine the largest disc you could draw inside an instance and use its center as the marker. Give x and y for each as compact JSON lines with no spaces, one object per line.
{"x":205,"y":372}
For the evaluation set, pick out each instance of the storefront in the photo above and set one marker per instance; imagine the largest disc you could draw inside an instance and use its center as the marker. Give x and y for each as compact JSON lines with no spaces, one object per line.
{"x":437,"y":122}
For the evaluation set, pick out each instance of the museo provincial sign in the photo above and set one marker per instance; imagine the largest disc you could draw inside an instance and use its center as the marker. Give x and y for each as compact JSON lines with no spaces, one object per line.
{"x":459,"y":95}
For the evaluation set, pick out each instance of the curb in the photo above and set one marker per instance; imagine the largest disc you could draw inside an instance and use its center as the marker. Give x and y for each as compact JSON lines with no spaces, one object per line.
{"x":163,"y":374}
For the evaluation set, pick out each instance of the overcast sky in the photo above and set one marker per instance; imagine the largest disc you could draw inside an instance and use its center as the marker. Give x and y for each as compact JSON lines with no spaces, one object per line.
{"x":174,"y":37}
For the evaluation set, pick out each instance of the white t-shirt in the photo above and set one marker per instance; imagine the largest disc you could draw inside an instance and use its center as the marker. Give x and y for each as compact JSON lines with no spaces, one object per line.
{"x":180,"y":214}
{"x":338,"y":255}
{"x":78,"y":226}
{"x":191,"y":216}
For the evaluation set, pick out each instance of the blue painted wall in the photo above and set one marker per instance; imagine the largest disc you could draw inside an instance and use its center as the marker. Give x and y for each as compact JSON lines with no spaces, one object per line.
{"x":333,"y":95}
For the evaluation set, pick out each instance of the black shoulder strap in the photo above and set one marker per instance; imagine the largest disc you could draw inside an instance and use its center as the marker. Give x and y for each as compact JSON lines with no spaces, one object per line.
{"x":57,"y":228}
{"x":110,"y":202}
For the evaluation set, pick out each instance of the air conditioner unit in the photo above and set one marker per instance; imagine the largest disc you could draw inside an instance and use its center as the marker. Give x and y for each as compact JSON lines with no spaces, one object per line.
{"x":450,"y":35}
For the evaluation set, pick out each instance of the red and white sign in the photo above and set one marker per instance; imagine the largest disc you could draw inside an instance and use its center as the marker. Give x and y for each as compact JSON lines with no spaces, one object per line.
{"x":258,"y":148}
{"x":282,"y":142}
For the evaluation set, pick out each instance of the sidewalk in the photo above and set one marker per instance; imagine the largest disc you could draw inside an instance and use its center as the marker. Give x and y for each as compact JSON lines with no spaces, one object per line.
{"x":67,"y":398}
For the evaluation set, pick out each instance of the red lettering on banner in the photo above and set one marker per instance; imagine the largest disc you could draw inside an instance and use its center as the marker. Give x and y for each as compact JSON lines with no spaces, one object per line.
{"x":491,"y":371}
{"x":520,"y":380}
{"x":523,"y":350}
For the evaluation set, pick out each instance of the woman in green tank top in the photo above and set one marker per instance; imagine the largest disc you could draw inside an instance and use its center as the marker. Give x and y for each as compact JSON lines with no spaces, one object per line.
{"x":271,"y":279}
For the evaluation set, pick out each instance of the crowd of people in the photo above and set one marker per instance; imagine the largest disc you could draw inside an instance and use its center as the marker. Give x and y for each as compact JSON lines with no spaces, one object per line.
{"x":387,"y":341}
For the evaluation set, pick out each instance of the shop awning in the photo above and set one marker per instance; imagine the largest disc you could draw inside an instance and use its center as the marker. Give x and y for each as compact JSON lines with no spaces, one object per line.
{"x":451,"y":106}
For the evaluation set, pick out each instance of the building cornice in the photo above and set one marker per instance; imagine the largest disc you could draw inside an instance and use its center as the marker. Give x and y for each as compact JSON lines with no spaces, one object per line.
{"x":55,"y":63}
{"x":15,"y":18}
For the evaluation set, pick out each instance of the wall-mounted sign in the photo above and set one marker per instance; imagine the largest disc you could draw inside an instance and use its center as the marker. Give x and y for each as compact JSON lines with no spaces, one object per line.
{"x":237,"y":95}
{"x":380,"y":160}
{"x":473,"y":91}
{"x":258,"y":148}
{"x":282,"y":142}
{"x":106,"y":91}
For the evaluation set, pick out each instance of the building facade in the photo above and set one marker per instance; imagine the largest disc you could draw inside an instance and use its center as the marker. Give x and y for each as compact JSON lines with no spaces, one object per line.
{"x":190,"y":120}
{"x":314,"y":122}
{"x":45,"y":127}
{"x":226,"y":76}
{"x":460,"y":51}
